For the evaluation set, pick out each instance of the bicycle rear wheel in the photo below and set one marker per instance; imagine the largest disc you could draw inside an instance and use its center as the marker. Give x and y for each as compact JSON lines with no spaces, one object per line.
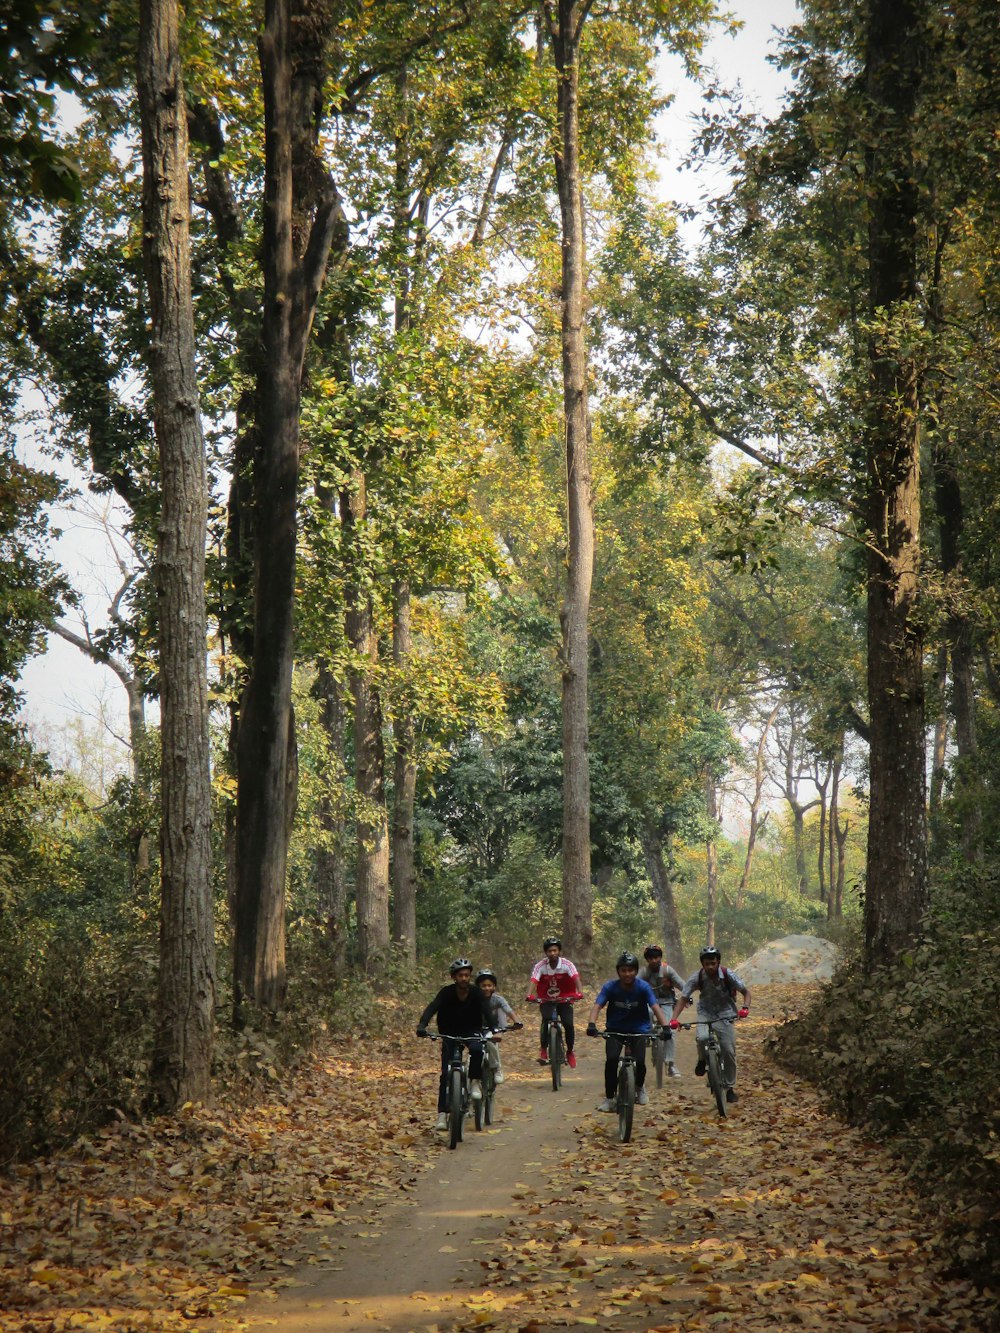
{"x":455,"y":1108}
{"x":658,"y":1045}
{"x":556,"y":1053}
{"x":626,"y":1101}
{"x":489,"y":1092}
{"x":714,"y":1062}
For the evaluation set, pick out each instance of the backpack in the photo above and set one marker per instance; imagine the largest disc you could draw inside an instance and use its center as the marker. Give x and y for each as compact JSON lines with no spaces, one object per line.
{"x":724,"y":973}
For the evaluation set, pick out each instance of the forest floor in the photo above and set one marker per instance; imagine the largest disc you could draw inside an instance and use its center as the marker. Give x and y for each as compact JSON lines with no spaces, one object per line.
{"x":336,"y":1206}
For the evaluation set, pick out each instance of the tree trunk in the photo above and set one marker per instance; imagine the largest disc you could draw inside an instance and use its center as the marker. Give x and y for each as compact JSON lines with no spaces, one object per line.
{"x":564,"y":34}
{"x":372,"y":870}
{"x":330,"y":870}
{"x":756,"y":823}
{"x":291,"y":47}
{"x":821,"y":787}
{"x":404,"y":877}
{"x":657,"y":868}
{"x":940,"y":746}
{"x":896,"y":879}
{"x":182,"y":1057}
{"x":711,"y":858}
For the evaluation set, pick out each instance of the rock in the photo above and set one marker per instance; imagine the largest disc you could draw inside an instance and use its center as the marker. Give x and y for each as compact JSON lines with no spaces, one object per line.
{"x":802,"y":959}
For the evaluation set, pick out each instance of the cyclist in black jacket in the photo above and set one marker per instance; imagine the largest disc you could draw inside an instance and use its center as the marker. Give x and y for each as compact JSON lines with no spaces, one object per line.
{"x":461,"y":1011}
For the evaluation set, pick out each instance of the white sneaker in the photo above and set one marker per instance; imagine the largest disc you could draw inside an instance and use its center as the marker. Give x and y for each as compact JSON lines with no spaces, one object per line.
{"x":442,"y":1120}
{"x":674,"y":1072}
{"x":498,"y":1076}
{"x":642,"y":1097}
{"x":476,"y":1089}
{"x":606,"y":1105}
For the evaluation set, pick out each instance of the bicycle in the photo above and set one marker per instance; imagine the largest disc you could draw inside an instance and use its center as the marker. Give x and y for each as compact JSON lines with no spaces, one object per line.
{"x":485,"y":1108}
{"x":625,"y":1090}
{"x":458,"y":1092}
{"x":713,"y":1058}
{"x":554,"y":1041}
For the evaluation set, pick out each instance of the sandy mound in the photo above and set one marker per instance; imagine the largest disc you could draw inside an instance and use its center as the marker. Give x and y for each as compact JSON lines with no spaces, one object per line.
{"x":802,"y":959}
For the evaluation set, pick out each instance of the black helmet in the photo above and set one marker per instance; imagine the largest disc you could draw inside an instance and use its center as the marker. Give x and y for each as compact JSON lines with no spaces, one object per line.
{"x":650,"y":950}
{"x":627,"y":959}
{"x":458,"y":964}
{"x":484,"y":974}
{"x":709,"y":952}
{"x":549,"y":940}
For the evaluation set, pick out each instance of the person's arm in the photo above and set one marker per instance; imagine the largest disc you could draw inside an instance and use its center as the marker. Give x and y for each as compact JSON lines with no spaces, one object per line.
{"x":745,"y":991}
{"x":599,"y":1004}
{"x":680,"y":1006}
{"x":675,"y":978}
{"x":660,"y":1016}
{"x":429,"y":1012}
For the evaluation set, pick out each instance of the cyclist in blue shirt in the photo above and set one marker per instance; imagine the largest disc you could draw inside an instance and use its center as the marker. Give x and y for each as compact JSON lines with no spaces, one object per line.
{"x":629,"y":1002}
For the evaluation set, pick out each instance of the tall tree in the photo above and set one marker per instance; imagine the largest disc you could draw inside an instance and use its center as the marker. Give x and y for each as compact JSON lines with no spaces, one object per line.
{"x":896,"y":877}
{"x":564,"y":22}
{"x":182,"y":1059}
{"x":301,"y":212}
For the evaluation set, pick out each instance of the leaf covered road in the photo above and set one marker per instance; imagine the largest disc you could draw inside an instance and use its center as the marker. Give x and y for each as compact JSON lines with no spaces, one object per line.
{"x":778,"y":1217}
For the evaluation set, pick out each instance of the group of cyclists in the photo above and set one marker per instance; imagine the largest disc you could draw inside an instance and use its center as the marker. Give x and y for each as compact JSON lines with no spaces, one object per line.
{"x":636,"y":996}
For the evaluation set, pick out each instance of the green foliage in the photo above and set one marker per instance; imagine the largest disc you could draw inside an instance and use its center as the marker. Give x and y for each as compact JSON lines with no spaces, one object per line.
{"x":913,"y":1053}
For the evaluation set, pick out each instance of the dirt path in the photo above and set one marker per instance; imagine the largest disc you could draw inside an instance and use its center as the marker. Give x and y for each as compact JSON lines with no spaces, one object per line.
{"x":775,"y":1218}
{"x":400,"y":1274}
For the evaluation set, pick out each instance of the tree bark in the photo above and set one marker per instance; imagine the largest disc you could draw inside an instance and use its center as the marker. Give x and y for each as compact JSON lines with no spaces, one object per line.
{"x":182,"y":1057}
{"x":330,"y":869}
{"x":756,"y":823}
{"x":372,"y":869}
{"x":896,"y":878}
{"x":657,"y":868}
{"x":404,"y":877}
{"x":565,"y":23}
{"x":711,"y":858}
{"x":296,"y":186}
{"x":940,"y":745}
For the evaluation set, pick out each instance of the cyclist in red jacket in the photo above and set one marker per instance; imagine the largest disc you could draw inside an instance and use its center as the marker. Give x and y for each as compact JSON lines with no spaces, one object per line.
{"x":555,"y":984}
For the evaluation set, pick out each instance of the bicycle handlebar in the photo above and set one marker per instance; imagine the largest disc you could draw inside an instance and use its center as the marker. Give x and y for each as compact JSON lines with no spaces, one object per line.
{"x":463,"y":1041}
{"x":552,"y":999}
{"x":703,"y":1022}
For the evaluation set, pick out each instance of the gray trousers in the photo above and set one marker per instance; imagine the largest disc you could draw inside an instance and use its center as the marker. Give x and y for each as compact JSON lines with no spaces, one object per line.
{"x":726,"y":1032}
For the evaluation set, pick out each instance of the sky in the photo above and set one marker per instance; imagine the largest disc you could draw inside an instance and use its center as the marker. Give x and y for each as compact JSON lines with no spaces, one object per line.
{"x":62,"y":687}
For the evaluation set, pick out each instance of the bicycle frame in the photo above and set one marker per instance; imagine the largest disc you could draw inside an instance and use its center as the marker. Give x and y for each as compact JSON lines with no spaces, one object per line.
{"x":459,"y":1095}
{"x":626,"y":1089}
{"x":713,"y":1058}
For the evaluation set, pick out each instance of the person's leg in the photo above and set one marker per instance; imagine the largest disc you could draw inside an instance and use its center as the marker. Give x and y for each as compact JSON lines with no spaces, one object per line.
{"x":612,"y":1051}
{"x":668,"y":1040}
{"x":639,"y":1054}
{"x":475,"y":1059}
{"x":727,"y":1040}
{"x":701,"y":1037}
{"x":547,"y":1010}
{"x":446,"y":1049}
{"x":566,"y":1014}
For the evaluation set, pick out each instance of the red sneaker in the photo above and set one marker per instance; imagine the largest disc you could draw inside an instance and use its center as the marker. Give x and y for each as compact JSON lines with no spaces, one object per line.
{"x":571,"y":1059}
{"x":543,"y":1056}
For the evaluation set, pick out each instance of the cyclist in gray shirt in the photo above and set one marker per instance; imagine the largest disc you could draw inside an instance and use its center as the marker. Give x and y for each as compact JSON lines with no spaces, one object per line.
{"x":717,"y":989}
{"x":664,"y":983}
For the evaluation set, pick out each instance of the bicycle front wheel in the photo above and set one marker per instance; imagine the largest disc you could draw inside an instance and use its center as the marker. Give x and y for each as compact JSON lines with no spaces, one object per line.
{"x":713,"y":1060}
{"x":556,"y":1053}
{"x":626,"y":1101}
{"x":658,"y":1045}
{"x":455,"y":1108}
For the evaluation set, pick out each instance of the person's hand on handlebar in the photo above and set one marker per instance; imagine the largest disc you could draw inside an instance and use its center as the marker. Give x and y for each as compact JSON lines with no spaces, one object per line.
{"x":592,"y":1030}
{"x":744,"y":1012}
{"x":518,"y":1025}
{"x":674,"y":1024}
{"x":421,"y":1032}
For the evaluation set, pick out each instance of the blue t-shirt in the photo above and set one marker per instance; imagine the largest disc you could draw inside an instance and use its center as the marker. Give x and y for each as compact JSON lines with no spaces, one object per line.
{"x":628,"y":1009}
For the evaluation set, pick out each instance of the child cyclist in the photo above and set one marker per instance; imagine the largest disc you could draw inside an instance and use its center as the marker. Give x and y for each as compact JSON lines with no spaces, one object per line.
{"x":629,"y":1002}
{"x":554,"y":985}
{"x":461,"y":1011}
{"x":500,"y":1011}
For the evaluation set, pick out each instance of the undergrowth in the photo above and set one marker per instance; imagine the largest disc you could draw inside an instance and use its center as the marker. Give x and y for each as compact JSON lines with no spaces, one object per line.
{"x":912,"y":1053}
